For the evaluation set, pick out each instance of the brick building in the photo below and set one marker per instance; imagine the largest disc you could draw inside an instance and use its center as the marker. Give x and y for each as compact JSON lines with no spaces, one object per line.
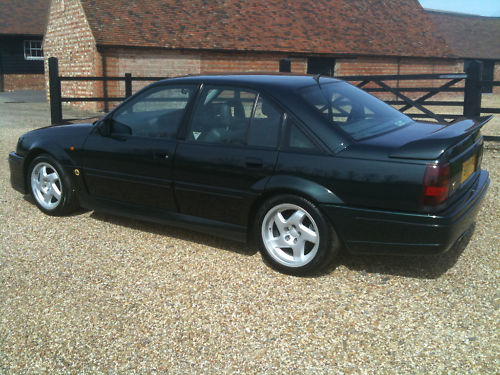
{"x":472,"y":38}
{"x":177,"y":37}
{"x":22,"y":24}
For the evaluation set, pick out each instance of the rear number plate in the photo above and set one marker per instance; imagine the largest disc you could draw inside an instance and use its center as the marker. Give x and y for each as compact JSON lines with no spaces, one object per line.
{"x":468,"y":167}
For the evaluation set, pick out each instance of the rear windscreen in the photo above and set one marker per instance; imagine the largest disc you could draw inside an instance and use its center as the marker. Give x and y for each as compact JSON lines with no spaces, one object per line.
{"x":356,"y":112}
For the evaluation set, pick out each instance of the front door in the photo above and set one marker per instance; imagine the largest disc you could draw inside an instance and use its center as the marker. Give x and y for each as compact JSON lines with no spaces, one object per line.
{"x":130,"y":164}
{"x":229,"y":152}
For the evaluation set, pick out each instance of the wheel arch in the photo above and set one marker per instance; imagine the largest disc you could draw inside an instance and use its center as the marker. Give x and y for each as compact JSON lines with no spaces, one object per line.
{"x":42,"y":149}
{"x":284,"y":184}
{"x":32,"y":154}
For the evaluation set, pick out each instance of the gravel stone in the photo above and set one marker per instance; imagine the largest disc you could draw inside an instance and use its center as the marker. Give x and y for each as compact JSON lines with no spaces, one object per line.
{"x":93,"y":293}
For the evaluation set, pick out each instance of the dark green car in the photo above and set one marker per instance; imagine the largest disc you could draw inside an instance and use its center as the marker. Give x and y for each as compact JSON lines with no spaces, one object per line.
{"x":302,"y":165}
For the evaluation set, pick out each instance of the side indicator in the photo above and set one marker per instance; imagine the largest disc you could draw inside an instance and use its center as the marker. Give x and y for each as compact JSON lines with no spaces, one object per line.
{"x":72,"y":148}
{"x":77,"y":172}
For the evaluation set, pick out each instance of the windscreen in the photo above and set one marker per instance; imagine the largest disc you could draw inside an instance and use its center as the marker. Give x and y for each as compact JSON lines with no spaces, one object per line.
{"x":356,"y":112}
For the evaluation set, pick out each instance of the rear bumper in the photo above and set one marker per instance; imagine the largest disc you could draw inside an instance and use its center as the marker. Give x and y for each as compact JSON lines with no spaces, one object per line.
{"x":383,"y":232}
{"x":16,"y":165}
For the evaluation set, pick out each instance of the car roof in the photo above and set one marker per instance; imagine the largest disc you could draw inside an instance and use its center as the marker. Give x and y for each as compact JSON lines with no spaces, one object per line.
{"x":288,"y":81}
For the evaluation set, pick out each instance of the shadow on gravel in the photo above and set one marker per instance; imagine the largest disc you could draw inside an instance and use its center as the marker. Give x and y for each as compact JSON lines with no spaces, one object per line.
{"x":178,"y":233}
{"x":421,"y":267}
{"x":29,"y":198}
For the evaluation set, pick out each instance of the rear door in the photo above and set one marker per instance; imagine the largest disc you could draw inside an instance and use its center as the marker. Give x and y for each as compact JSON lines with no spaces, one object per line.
{"x":229,"y":151}
{"x":132,"y":166}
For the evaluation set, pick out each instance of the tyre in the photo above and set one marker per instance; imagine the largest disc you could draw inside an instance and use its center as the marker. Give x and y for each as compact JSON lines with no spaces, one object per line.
{"x":294,"y":236}
{"x":51,"y":187}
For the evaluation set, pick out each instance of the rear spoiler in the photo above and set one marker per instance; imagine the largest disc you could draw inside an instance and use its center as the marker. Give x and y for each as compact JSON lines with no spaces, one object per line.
{"x":433,"y":146}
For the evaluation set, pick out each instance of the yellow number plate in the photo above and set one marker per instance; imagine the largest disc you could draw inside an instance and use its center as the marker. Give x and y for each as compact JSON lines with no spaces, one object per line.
{"x":468,"y":167}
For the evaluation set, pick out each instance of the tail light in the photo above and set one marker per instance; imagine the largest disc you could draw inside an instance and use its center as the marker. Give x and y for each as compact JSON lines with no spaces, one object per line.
{"x":479,"y":159}
{"x":436,"y":184}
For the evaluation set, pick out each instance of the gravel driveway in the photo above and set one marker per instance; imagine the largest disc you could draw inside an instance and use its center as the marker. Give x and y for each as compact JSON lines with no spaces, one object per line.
{"x":92,"y":293}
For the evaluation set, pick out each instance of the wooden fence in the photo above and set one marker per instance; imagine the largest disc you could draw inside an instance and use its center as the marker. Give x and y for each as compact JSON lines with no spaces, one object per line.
{"x":470,"y":105}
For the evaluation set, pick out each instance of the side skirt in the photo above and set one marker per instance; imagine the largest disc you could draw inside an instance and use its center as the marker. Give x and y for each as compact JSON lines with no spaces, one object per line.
{"x":213,"y":227}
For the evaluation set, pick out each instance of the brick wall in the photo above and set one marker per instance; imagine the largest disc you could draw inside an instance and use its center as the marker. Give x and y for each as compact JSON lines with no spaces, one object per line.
{"x":167,"y":63}
{"x":247,"y":62}
{"x":14,"y":82}
{"x":70,"y":39}
{"x":145,"y":63}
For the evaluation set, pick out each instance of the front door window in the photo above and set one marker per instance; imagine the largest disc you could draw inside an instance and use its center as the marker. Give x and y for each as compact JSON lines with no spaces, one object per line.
{"x":156,"y":113}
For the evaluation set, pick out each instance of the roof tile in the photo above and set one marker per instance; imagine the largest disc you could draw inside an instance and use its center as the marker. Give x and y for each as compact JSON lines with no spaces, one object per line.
{"x":366,"y":27}
{"x":27,"y":17}
{"x":470,"y":36}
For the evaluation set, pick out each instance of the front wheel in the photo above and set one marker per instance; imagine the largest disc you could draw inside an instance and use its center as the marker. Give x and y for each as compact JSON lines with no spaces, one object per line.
{"x":294,"y":236}
{"x":51,"y":187}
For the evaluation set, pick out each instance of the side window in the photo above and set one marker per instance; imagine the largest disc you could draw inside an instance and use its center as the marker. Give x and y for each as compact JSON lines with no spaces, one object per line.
{"x":222,"y":116}
{"x":155,"y":113}
{"x":266,"y":124}
{"x":298,"y":139}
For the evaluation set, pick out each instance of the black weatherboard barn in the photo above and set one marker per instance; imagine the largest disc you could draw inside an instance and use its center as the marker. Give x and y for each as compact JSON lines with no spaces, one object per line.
{"x":22,"y":25}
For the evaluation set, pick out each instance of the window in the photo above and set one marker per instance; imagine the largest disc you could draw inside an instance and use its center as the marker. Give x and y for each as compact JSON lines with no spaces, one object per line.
{"x":236,"y":116}
{"x":321,"y":65}
{"x":222,"y":116}
{"x":33,"y":50}
{"x":354,"y":111}
{"x":266,"y":124}
{"x":297,"y":137}
{"x":157,"y":112}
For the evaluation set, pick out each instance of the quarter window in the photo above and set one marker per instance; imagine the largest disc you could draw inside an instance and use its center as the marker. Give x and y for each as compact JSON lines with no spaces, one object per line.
{"x":266,"y":124}
{"x":156,"y":113}
{"x":297,"y":137}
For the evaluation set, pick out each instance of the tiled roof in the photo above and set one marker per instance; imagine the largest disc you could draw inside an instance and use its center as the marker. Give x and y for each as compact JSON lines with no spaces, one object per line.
{"x":469,"y":36}
{"x":367,"y":27}
{"x":23,"y":16}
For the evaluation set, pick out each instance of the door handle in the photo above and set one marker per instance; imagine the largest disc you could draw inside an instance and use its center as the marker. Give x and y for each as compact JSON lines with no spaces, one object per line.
{"x":161,"y":155}
{"x":254,"y":162}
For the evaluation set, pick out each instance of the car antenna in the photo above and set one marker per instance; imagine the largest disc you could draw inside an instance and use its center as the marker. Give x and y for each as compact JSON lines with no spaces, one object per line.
{"x":316,"y":78}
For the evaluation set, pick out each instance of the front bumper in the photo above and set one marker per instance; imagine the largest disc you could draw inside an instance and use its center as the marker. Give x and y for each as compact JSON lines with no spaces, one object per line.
{"x":367,"y":231}
{"x":17,"y":180}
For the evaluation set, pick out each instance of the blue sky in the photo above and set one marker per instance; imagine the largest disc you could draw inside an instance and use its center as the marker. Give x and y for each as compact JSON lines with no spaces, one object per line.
{"x":482,"y":7}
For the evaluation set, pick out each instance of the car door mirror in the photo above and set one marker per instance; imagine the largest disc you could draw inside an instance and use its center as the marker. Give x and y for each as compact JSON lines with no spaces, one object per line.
{"x":104,"y":127}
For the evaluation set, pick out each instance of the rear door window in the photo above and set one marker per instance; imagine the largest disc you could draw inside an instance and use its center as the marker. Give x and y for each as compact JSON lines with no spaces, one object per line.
{"x":235,"y":116}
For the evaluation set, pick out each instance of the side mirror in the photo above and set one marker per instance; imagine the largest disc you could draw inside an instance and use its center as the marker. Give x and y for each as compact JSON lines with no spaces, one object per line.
{"x":104,"y":127}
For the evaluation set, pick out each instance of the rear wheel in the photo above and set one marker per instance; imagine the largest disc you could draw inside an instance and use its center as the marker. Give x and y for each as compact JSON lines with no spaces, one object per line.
{"x":294,"y":236}
{"x":51,"y":187}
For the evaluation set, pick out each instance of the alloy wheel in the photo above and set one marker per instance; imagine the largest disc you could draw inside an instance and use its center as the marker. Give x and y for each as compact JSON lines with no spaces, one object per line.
{"x":290,"y":235}
{"x":46,"y":185}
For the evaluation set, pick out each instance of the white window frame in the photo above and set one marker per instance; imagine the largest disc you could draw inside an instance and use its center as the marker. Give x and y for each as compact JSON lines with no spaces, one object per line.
{"x":29,"y":47}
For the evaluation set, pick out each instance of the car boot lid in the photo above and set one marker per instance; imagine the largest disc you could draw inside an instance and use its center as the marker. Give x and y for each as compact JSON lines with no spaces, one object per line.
{"x":432,"y":146}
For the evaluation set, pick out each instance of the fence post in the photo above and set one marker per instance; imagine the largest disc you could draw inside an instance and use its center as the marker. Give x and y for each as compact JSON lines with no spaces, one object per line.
{"x":55,"y":91}
{"x":473,"y":88}
{"x":128,"y":84}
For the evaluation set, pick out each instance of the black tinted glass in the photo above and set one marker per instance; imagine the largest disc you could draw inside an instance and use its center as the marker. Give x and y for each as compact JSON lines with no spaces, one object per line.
{"x":266,"y":123}
{"x":156,"y":113}
{"x":356,"y":112}
{"x":222,"y":116}
{"x":297,"y":137}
